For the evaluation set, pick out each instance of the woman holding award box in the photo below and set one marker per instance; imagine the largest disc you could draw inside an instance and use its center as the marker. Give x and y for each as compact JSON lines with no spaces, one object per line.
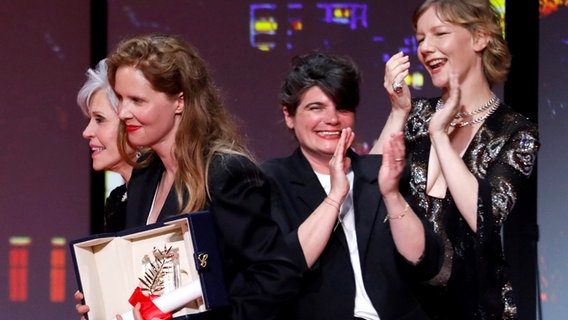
{"x":169,"y":103}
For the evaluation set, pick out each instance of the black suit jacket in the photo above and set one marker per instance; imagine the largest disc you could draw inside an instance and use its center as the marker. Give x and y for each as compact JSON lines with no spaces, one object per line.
{"x":328,"y":288}
{"x":259,"y":273}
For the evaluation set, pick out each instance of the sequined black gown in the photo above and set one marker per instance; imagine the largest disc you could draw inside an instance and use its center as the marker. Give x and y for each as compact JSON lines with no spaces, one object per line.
{"x":473,"y":281}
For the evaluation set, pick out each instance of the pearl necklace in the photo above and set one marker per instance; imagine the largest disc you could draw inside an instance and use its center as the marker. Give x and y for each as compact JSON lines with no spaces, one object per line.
{"x":492,"y":105}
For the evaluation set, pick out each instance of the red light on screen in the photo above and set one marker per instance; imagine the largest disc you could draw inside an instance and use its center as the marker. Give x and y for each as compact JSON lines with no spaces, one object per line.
{"x":57,"y":272}
{"x":19,"y":264}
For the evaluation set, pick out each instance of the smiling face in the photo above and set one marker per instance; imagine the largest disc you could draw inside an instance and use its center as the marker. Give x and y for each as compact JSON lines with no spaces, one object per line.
{"x":445,"y":47}
{"x":151,"y":117}
{"x":102,"y":132}
{"x":317,"y":124}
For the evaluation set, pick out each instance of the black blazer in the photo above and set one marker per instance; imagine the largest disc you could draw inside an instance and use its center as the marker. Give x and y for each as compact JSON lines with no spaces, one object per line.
{"x":259,"y":273}
{"x":328,"y":288}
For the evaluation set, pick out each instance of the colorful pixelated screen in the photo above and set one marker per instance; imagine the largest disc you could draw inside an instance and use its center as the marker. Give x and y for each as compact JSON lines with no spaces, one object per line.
{"x":45,"y":194}
{"x":249,"y":46}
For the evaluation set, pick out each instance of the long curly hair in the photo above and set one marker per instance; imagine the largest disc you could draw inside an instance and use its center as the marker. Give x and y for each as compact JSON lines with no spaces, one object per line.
{"x":173,"y":66}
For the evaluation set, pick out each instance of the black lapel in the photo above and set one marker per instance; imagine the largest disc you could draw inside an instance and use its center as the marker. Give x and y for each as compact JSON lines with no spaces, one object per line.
{"x":141,"y":190}
{"x":366,"y":198}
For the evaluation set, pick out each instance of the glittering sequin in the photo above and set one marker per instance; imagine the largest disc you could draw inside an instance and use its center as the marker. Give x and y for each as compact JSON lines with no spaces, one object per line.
{"x":501,"y":156}
{"x":523,"y":157}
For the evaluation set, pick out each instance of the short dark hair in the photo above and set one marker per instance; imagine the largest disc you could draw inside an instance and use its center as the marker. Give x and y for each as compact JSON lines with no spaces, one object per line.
{"x":337,"y":76}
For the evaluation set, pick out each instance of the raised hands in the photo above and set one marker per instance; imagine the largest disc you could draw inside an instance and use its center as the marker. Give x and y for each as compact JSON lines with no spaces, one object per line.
{"x":338,"y":166}
{"x":315,"y":231}
{"x":392,"y":166}
{"x":396,"y":70}
{"x":407,"y":229}
{"x":446,"y":111}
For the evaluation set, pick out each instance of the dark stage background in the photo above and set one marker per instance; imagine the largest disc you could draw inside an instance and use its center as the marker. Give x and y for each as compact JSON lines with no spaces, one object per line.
{"x":49,"y":196}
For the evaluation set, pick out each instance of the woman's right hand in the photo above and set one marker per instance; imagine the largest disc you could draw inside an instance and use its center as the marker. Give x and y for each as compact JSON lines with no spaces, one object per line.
{"x":81,"y":308}
{"x":396,"y":70}
{"x":339,"y":165}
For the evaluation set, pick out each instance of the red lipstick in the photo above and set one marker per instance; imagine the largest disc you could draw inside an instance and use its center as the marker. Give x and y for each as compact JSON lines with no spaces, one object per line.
{"x":131,"y":128}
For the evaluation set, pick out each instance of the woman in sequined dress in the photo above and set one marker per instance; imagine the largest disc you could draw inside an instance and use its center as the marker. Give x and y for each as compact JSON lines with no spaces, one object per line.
{"x":468,"y":154}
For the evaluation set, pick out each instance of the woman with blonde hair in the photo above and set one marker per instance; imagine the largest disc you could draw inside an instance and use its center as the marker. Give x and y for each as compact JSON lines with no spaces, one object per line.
{"x":469,"y":154}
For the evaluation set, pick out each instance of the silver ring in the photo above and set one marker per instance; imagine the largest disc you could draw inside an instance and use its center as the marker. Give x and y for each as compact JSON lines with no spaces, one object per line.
{"x":397,"y":87}
{"x":398,"y":159}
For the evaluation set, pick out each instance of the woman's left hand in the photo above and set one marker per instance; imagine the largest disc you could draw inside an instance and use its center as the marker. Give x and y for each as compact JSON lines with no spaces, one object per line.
{"x":392,"y":165}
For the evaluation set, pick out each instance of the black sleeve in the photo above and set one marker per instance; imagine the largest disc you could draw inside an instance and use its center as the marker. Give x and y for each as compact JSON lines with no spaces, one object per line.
{"x":259,"y":268}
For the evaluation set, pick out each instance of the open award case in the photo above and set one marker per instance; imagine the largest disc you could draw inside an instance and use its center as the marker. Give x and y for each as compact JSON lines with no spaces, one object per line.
{"x":157,"y":259}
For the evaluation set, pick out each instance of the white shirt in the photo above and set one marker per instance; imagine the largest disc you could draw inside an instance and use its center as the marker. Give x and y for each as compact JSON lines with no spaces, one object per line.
{"x":363,"y":306}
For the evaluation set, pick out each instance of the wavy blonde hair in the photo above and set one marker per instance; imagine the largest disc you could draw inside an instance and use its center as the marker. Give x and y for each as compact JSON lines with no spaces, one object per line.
{"x":206,"y":128}
{"x":476,"y":16}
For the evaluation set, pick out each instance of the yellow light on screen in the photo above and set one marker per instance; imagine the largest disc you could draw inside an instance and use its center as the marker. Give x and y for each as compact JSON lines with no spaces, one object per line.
{"x":499,"y":5}
{"x":416,"y":80}
{"x":265,"y":26}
